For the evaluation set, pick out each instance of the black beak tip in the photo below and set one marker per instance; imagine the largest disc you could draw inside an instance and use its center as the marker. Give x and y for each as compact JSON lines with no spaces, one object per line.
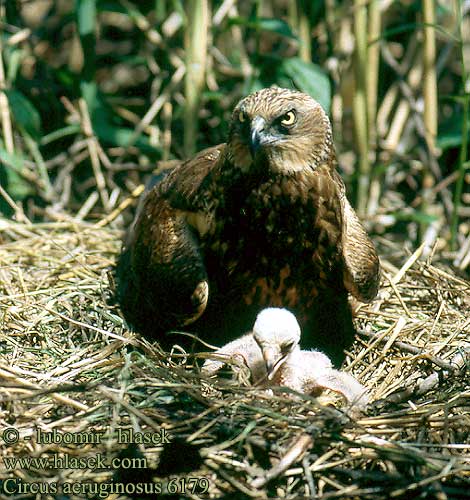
{"x":255,"y":143}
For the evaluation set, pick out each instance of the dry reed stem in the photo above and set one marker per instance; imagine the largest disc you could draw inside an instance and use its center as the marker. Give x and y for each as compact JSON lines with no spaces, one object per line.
{"x":167,"y":114}
{"x":429,"y":73}
{"x":397,"y":125}
{"x":195,"y":44}
{"x":299,"y":19}
{"x":463,"y":156}
{"x":7,"y":132}
{"x":92,"y":144}
{"x":122,"y":206}
{"x":19,"y":213}
{"x":157,"y":105}
{"x":4,"y":106}
{"x":360,"y":111}
{"x":373,"y":59}
{"x":372,"y":82}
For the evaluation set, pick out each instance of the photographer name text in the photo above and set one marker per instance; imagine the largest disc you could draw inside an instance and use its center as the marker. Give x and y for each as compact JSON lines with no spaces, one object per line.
{"x":122,"y":436}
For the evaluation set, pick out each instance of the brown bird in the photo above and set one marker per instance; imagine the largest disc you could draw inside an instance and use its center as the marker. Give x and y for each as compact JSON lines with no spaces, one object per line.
{"x":272,"y":354}
{"x":260,"y":221}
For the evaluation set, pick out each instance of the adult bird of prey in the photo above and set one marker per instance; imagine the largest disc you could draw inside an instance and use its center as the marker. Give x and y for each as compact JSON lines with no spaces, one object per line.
{"x":259,"y":221}
{"x":272,"y":354}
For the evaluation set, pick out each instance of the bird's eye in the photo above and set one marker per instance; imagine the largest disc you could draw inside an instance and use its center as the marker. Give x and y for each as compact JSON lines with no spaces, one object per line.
{"x":242,"y":117}
{"x":287,"y":347}
{"x":289,"y":118}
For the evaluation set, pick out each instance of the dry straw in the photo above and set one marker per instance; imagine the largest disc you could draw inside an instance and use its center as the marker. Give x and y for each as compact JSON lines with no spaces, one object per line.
{"x":68,"y":363}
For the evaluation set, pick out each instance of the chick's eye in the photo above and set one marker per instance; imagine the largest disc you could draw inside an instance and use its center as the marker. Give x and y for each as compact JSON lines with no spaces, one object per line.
{"x":242,"y":117}
{"x":287,"y":347}
{"x":289,"y":118}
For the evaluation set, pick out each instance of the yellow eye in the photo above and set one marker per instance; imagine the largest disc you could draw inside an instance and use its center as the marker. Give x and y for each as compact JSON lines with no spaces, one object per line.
{"x":242,"y":117}
{"x":289,"y":118}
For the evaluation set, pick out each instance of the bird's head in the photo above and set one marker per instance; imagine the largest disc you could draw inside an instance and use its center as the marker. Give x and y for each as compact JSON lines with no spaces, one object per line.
{"x":277,"y":333}
{"x":284,"y":129}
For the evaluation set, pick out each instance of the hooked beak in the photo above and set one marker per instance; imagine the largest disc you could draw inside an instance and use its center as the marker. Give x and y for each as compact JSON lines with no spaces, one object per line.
{"x":273,"y":360}
{"x":257,"y":134}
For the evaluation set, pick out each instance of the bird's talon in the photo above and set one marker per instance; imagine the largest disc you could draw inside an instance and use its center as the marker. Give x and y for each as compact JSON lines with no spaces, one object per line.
{"x":199,"y":300}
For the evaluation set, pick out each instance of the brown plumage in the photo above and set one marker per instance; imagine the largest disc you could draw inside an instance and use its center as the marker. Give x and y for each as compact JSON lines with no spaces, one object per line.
{"x":260,"y":221}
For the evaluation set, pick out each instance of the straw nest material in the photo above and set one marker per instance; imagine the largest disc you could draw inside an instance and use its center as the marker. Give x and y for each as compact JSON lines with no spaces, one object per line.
{"x":69,"y":367}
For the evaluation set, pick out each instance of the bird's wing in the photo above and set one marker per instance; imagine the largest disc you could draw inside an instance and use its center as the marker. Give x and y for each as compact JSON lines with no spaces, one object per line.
{"x":361,"y":272}
{"x":161,"y":273}
{"x":244,"y":350}
{"x":344,"y":384}
{"x":183,"y":187}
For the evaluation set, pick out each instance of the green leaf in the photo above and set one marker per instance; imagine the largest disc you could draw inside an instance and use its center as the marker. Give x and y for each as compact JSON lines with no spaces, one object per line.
{"x":253,"y":85}
{"x":14,"y":64}
{"x":65,"y":77}
{"x":89,"y":91}
{"x":60,"y":133}
{"x":406,"y":28}
{"x":24,"y":113}
{"x":211,"y":95}
{"x":120,"y":136}
{"x":266,"y":24}
{"x":450,"y":132}
{"x":275,"y":26}
{"x":16,"y":186}
{"x":86,"y":16}
{"x":309,"y":78}
{"x":86,"y":24}
{"x":11,"y":159}
{"x":415,"y":216}
{"x":448,"y":140}
{"x":110,"y":6}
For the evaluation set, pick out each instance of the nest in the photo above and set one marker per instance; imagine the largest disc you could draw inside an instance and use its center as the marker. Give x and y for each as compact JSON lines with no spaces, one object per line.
{"x":77,"y":386}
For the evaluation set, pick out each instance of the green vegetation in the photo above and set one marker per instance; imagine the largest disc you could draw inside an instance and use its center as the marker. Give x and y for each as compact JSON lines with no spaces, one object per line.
{"x":95,"y":92}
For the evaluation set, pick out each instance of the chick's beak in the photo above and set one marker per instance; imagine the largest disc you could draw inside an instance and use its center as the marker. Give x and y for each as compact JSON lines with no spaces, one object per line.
{"x":257,"y":134}
{"x":272,"y":357}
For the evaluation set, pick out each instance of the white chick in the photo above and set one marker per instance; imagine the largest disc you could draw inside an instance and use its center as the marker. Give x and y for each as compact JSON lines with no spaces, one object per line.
{"x":275,"y":334}
{"x":310,"y":372}
{"x":273,"y":355}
